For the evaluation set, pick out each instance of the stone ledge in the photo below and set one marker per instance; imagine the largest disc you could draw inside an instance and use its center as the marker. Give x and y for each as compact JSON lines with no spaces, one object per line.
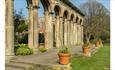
{"x":53,"y":67}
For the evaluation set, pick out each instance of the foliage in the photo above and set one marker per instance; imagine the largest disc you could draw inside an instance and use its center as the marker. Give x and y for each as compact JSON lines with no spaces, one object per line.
{"x":42,"y":50}
{"x":23,"y":49}
{"x":64,"y":49}
{"x":20,"y":27}
{"x":87,"y":45}
{"x":98,"y":61}
{"x":93,"y":41}
{"x":97,"y":19}
{"x":23,"y":38}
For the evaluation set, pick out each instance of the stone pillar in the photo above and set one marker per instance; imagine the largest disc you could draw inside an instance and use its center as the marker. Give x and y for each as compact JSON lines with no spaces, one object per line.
{"x":79,"y":35}
{"x":72,"y":33}
{"x":76,"y":33}
{"x":35,"y":28}
{"x":48,"y":29}
{"x":46,"y":14}
{"x":68,"y":32}
{"x":9,"y":26}
{"x":82,"y":34}
{"x":65,"y":31}
{"x":61,"y":31}
{"x":30,"y":27}
{"x":57,"y":32}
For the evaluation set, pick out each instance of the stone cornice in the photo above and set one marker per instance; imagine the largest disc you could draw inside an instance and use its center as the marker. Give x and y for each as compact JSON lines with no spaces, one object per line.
{"x":72,"y":6}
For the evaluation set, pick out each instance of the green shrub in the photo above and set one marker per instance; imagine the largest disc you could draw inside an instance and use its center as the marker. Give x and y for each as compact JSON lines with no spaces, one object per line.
{"x":23,"y":45}
{"x":42,"y":50}
{"x":64,"y":49}
{"x":20,"y":45}
{"x":88,"y":45}
{"x":24,"y":51}
{"x":93,"y":41}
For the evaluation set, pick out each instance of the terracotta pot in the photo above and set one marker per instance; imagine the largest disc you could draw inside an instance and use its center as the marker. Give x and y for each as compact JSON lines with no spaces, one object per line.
{"x":97,"y":44}
{"x":86,"y":50}
{"x":64,"y":58}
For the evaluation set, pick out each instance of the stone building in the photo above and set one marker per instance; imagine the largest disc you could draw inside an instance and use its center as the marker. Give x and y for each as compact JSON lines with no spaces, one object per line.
{"x":63,"y":23}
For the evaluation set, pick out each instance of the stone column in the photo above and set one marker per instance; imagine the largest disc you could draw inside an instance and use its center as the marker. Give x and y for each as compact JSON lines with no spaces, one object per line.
{"x":79,"y":36}
{"x":48,"y":30}
{"x":61,"y":31}
{"x":74,"y":37}
{"x":9,"y":26}
{"x":46,"y":14}
{"x":68,"y":32}
{"x":30,"y":27}
{"x":35,"y":28}
{"x":65,"y":31}
{"x":76,"y":33}
{"x":82,"y":34}
{"x":57,"y":32}
{"x":72,"y":33}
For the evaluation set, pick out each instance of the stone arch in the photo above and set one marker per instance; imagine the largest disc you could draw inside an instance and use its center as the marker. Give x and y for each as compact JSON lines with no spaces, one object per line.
{"x":72,"y":17}
{"x":77,"y":18}
{"x":80,"y":21}
{"x":65,"y":14}
{"x":57,"y":10}
{"x":56,"y":25}
{"x":29,"y":2}
{"x":46,"y":5}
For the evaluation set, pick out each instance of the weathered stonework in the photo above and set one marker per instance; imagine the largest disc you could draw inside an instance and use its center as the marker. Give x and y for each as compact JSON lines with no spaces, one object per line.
{"x":9,"y":26}
{"x":68,"y":31}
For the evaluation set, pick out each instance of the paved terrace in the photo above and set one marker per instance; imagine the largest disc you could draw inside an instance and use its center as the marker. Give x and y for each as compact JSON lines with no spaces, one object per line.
{"x":42,"y":61}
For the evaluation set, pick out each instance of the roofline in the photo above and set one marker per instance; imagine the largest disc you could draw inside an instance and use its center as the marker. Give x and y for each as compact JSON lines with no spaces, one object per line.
{"x":73,"y":6}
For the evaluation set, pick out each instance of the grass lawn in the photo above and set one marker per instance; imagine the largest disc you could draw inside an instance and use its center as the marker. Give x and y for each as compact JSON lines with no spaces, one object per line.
{"x":98,"y":61}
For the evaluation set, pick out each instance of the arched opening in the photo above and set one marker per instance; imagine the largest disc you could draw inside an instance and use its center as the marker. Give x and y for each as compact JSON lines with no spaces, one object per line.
{"x":72,"y":17}
{"x":20,"y":22}
{"x":80,"y":21}
{"x":43,"y":7}
{"x":65,"y":16}
{"x":77,"y":19}
{"x":56,"y":24}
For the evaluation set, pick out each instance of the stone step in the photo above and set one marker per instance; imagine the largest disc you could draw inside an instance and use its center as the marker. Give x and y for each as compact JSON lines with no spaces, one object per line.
{"x":13,"y":68}
{"x":19,"y":66}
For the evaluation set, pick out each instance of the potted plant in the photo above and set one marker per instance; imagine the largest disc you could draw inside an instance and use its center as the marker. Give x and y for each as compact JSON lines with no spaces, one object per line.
{"x":99,"y":43}
{"x":86,"y":49}
{"x":64,"y":55}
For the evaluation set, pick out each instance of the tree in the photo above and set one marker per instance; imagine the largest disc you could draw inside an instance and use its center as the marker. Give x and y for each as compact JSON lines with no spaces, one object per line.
{"x":20,"y":27}
{"x":97,"y":19}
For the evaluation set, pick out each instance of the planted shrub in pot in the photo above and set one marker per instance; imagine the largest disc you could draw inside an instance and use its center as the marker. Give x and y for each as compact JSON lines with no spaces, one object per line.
{"x":99,"y":43}
{"x":64,"y":55}
{"x":86,"y":49}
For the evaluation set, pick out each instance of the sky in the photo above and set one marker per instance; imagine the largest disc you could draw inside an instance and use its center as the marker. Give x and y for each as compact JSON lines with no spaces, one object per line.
{"x":21,"y":4}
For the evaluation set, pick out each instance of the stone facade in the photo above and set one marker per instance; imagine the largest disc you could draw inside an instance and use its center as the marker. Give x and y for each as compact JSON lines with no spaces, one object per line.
{"x":68,"y":24}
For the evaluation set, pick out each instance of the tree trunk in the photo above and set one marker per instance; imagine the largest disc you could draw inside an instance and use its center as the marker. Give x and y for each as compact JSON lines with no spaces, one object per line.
{"x":88,"y":38}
